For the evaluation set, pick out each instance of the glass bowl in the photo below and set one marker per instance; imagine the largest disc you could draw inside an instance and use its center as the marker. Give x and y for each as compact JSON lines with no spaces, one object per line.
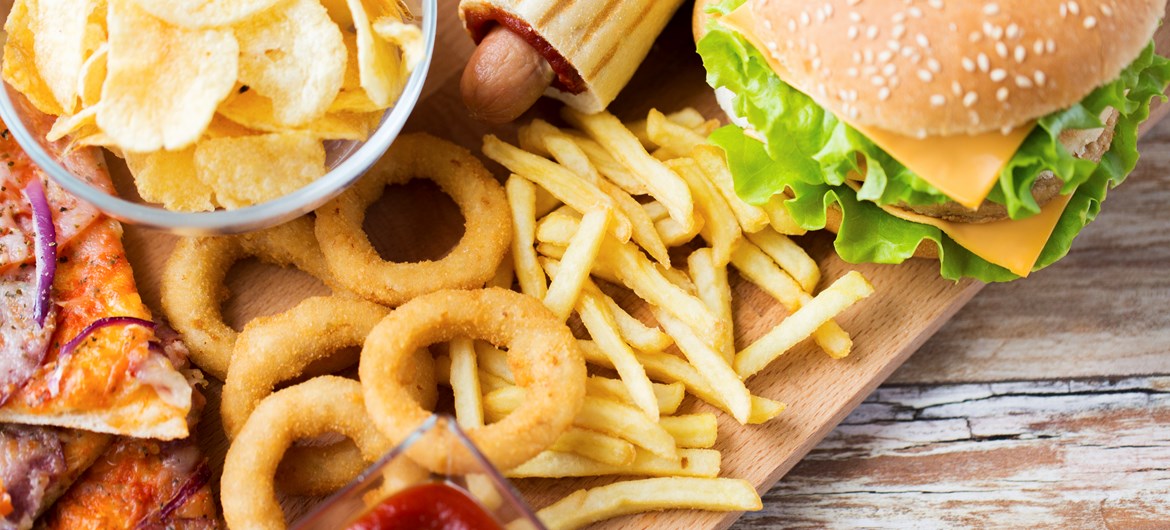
{"x":395,"y":472}
{"x":346,"y":160}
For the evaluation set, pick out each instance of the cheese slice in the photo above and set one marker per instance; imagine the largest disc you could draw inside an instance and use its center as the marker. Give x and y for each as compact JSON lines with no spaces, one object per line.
{"x":1014,"y":244}
{"x":963,"y":167}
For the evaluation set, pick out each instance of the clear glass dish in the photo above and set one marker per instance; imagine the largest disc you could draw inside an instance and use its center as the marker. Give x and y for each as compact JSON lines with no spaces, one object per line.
{"x":346,"y":160}
{"x":395,"y":472}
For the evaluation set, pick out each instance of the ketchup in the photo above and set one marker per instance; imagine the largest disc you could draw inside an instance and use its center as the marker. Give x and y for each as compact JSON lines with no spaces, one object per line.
{"x":430,"y":506}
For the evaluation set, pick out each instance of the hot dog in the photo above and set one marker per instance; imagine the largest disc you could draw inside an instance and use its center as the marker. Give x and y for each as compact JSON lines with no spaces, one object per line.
{"x":504,"y":77}
{"x":570,"y":51}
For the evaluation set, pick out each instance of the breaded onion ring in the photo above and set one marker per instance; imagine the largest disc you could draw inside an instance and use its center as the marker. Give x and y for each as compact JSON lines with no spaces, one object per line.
{"x":193,"y":289}
{"x":356,"y":264}
{"x":319,"y":406}
{"x":280,"y":348}
{"x":544,"y":357}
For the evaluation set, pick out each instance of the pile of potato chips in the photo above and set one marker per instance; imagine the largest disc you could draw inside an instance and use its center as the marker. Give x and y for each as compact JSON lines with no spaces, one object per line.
{"x":213,"y":103}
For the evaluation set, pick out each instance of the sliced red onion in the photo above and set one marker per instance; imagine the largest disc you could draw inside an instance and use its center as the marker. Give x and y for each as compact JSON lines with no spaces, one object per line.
{"x":67,"y":349}
{"x":45,"y":245}
{"x":199,"y":478}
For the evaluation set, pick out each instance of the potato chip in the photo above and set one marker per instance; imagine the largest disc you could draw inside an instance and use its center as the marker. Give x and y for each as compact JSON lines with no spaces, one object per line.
{"x":339,"y":12}
{"x":380,"y":62}
{"x":92,"y":76}
{"x":247,"y":170}
{"x":354,"y":100}
{"x":59,"y":39}
{"x":169,"y":178}
{"x":255,"y":111}
{"x":163,"y":83}
{"x":203,"y":14}
{"x":353,"y":76}
{"x":407,"y":37}
{"x":66,"y":125}
{"x":295,"y":57}
{"x":20,"y":69}
{"x":221,"y":127}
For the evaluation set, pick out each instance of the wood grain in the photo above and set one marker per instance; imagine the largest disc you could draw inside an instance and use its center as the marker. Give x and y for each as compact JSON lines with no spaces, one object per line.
{"x":1086,"y":454}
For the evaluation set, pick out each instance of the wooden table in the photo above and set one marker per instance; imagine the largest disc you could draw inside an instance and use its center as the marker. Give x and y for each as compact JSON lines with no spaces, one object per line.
{"x":1043,"y":403}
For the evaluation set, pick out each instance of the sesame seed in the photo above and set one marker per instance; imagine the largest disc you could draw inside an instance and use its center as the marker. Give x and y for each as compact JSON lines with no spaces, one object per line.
{"x":1050,"y":46}
{"x":898,"y":31}
{"x":885,"y":56}
{"x":1001,"y":94}
{"x":970,"y":99}
{"x":1006,"y":130}
{"x":1090,"y":21}
{"x":898,"y":17}
{"x":877,"y":80}
{"x":889,"y":69}
{"x":956,"y":88}
{"x":804,"y":19}
{"x":1074,"y":8}
{"x":893,"y":45}
{"x":922,"y":40}
{"x":768,"y":24}
{"x":1063,"y":10}
{"x":975,"y":36}
{"x":983,"y":62}
{"x":1023,"y":81}
{"x":856,"y":56}
{"x":828,"y":10}
{"x":999,"y":74}
{"x":968,"y":64}
{"x":855,"y":16}
{"x":791,"y":24}
{"x":884,"y":94}
{"x":1001,"y":49}
{"x":933,"y":65}
{"x":915,"y":12}
{"x":938,"y":100}
{"x":816,"y":63}
{"x":1040,"y":78}
{"x":1021,"y":53}
{"x":1038,"y":47}
{"x":851,"y":71}
{"x":925,"y":76}
{"x":1013,"y":31}
{"x":991,"y":9}
{"x":937,"y":4}
{"x":871,"y":32}
{"x":1106,"y":10}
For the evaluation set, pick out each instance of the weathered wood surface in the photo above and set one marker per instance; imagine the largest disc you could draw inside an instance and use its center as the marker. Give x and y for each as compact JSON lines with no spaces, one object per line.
{"x":1056,"y":454}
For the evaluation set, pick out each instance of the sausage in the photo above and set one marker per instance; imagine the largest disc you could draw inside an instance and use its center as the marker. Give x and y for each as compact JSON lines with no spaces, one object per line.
{"x":504,"y":77}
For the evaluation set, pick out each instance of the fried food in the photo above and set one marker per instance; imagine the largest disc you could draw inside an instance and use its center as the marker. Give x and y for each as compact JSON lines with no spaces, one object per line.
{"x":553,"y":464}
{"x":316,"y":407}
{"x":356,"y":264}
{"x":584,"y":507}
{"x":192,"y":283}
{"x":542,"y":353}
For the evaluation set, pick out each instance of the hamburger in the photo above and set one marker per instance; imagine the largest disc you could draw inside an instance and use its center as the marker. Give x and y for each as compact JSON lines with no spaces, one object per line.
{"x":982,"y":134}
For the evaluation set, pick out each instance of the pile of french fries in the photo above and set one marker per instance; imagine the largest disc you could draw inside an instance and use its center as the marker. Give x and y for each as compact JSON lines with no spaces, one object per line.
{"x":608,"y":201}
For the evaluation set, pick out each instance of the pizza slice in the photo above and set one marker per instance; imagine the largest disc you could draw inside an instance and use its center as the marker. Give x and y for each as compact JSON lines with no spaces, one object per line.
{"x":77,"y":345}
{"x":37,"y":465}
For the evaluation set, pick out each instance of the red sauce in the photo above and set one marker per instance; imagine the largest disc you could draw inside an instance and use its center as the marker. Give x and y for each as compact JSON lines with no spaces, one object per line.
{"x":481,"y":20}
{"x":431,"y":506}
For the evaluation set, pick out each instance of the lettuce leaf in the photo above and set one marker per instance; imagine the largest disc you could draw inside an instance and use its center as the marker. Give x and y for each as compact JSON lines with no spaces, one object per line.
{"x":813,"y":152}
{"x":820,"y":149}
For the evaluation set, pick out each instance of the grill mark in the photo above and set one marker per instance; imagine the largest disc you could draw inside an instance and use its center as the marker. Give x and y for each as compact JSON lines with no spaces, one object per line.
{"x":609,"y":54}
{"x":554,"y":12}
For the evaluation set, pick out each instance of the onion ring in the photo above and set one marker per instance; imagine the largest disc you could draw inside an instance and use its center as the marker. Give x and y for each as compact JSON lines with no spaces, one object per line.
{"x":473,"y":261}
{"x":279,"y":348}
{"x":319,"y":406}
{"x":542,"y":353}
{"x":192,"y":283}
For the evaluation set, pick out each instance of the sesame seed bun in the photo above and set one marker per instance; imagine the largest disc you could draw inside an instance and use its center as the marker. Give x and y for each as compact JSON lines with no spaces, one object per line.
{"x":947,"y":67}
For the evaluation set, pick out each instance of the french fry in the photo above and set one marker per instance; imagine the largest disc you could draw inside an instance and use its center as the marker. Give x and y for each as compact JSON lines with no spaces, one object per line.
{"x":598,"y":414}
{"x":669,"y":396}
{"x":574,"y":267}
{"x":609,"y":166}
{"x":493,"y":361}
{"x":711,"y":159}
{"x":656,"y":211}
{"x":672,"y":368}
{"x":637,"y":334}
{"x":521,"y":198}
{"x":557,"y":228}
{"x":779,"y":217}
{"x":584,"y":507}
{"x":836,"y":298}
{"x":489,"y":383}
{"x":596,"y":446}
{"x":545,"y":202}
{"x":679,"y":140}
{"x":692,"y":430}
{"x":505,"y":273}
{"x":662,"y":183}
{"x":711,"y":364}
{"x":793,"y":259}
{"x":550,"y":139}
{"x":674,"y":234}
{"x":759,"y":269}
{"x":687,"y":117}
{"x":600,"y":323}
{"x":721,"y":230}
{"x":464,"y":379}
{"x":558,"y":180}
{"x":714,"y":290}
{"x":556,"y":464}
{"x":680,"y":279}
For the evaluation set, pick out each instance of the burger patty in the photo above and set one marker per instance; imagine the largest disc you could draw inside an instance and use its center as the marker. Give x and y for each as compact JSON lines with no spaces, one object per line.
{"x":1046,"y":188}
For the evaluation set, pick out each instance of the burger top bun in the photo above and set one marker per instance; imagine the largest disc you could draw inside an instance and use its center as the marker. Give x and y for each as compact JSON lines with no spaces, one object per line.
{"x":946,"y":67}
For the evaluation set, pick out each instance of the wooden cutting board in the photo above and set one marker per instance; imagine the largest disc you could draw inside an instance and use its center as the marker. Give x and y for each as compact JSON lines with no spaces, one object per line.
{"x":416,"y":222}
